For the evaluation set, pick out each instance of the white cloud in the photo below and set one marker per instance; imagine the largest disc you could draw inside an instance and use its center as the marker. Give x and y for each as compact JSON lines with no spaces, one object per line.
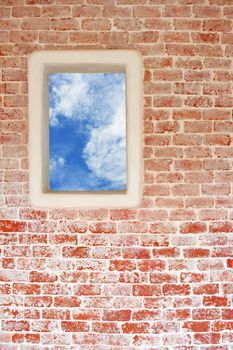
{"x":70,"y":94}
{"x":100,"y":103}
{"x":105,"y":152}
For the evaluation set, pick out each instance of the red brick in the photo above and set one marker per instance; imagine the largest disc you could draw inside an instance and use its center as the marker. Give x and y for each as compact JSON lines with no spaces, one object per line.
{"x":32,"y":214}
{"x":228,"y":10}
{"x":105,"y":327}
{"x":83,"y":37}
{"x":127,"y":24}
{"x":12,"y":226}
{"x":86,"y":11}
{"x":18,"y":326}
{"x":187,"y":140}
{"x":221,"y":189}
{"x":26,"y":11}
{"x":146,"y":315}
{"x":171,"y":37}
{"x":196,"y":253}
{"x":96,"y":24}
{"x":219,"y":326}
{"x":216,"y":301}
{"x":146,"y":290}
{"x":187,"y":24}
{"x":177,"y":11}
{"x":164,"y":327}
{"x":197,"y":326}
{"x":207,"y":11}
{"x":55,"y":11}
{"x":24,"y":288}
{"x":122,"y":265}
{"x":163,"y":278}
{"x":146,"y":12}
{"x":187,"y":88}
{"x":206,"y":289}
{"x":168,"y":75}
{"x":51,"y":37}
{"x":117,"y":315}
{"x":158,"y":62}
{"x":182,"y":214}
{"x":66,"y":301}
{"x":169,"y":252}
{"x":186,"y":114}
{"x":38,"y":23}
{"x":63,"y":24}
{"x":74,"y":326}
{"x":217,"y":25}
{"x":86,"y":315}
{"x":76,"y":252}
{"x":167,"y":101}
{"x":181,"y":49}
{"x":43,"y":277}
{"x":135,"y":327}
{"x":73,"y":226}
{"x":157,"y":88}
{"x":103,"y":227}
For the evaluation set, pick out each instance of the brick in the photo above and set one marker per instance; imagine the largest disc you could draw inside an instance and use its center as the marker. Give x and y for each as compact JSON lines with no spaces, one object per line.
{"x":167,"y":101}
{"x":18,"y":326}
{"x":12,"y":226}
{"x":86,"y":11}
{"x":74,"y":326}
{"x":25,"y":11}
{"x":105,"y":327}
{"x":50,"y":37}
{"x":134,"y":327}
{"x":96,"y":24}
{"x":77,"y":252}
{"x":38,"y":23}
{"x":187,"y":88}
{"x":206,"y":289}
{"x":117,"y":315}
{"x":187,"y":24}
{"x":177,"y":11}
{"x":197,"y":326}
{"x":64,"y":301}
{"x":181,"y":49}
{"x":211,"y":189}
{"x":216,"y":301}
{"x":64,"y":24}
{"x":55,"y":11}
{"x":217,"y":25}
{"x":227,"y":314}
{"x":187,"y":140}
{"x":157,"y":24}
{"x":176,"y":289}
{"x":171,"y":37}
{"x":198,"y":102}
{"x":116,"y":11}
{"x":146,"y":12}
{"x":24,"y":288}
{"x":196,"y":253}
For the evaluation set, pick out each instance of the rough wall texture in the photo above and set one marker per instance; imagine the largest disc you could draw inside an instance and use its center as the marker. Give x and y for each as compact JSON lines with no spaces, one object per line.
{"x":156,"y":277}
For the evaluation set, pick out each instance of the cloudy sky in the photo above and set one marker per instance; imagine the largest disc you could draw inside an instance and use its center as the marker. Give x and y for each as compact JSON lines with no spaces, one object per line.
{"x":87,"y":132}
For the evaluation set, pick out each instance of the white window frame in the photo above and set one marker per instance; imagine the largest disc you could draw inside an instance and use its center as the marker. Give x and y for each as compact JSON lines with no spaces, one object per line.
{"x":40,"y":64}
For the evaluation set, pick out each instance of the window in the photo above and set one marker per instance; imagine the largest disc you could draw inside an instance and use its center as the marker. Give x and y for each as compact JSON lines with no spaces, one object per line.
{"x":85,"y":128}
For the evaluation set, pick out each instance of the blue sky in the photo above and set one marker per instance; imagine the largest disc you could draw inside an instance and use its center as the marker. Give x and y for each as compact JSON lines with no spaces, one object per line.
{"x":87,"y":131}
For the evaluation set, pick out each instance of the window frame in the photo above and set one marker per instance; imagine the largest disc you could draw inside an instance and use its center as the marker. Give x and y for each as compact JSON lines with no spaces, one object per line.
{"x":40,"y":64}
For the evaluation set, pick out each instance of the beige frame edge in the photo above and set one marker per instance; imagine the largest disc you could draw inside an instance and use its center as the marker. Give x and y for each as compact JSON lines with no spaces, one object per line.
{"x":41,"y":63}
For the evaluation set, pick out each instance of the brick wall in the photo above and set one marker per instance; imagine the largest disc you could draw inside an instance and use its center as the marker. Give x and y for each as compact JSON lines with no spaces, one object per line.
{"x":156,"y":277}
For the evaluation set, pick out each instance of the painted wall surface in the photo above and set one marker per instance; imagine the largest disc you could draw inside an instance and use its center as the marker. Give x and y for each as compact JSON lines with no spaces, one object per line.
{"x":155,"y":277}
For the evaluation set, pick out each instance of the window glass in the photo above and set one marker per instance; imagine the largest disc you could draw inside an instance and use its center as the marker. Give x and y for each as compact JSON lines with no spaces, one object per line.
{"x":87,"y":132}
